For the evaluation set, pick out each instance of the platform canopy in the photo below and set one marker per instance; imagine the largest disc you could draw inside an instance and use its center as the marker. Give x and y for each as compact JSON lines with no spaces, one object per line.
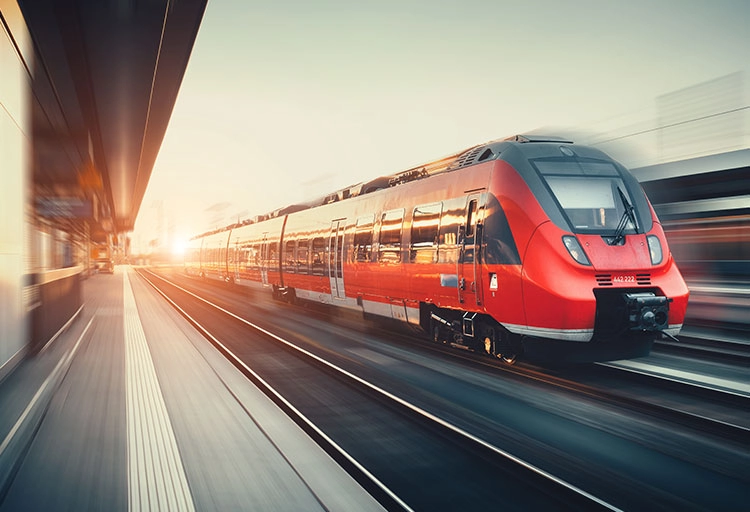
{"x":106,"y":74}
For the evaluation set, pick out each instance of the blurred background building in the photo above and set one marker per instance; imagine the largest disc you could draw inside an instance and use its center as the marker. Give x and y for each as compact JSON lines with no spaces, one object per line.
{"x":86,"y":90}
{"x":703,"y":119}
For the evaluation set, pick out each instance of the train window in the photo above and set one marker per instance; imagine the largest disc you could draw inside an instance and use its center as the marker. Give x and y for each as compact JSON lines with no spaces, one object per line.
{"x":290,"y":259}
{"x":273,"y":254}
{"x":452,"y":217}
{"x":471,"y":218}
{"x":363,"y":239}
{"x":337,"y":253}
{"x":424,"y":233}
{"x":302,"y":256}
{"x":248,"y":256}
{"x":591,"y":203}
{"x":317,"y":257}
{"x":242,"y":256}
{"x":390,"y":236}
{"x":576,"y":167}
{"x":256,"y":256}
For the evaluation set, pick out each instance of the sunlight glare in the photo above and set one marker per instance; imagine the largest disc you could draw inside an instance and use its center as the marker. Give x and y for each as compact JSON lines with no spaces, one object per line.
{"x":178,"y":247}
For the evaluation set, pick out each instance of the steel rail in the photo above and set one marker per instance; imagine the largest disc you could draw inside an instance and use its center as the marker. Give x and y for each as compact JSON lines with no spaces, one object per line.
{"x":696,"y":421}
{"x":264,"y":385}
{"x":393,"y":398}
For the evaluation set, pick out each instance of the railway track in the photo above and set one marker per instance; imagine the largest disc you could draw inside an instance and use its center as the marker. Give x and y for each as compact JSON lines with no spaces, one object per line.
{"x":708,"y":344}
{"x":716,"y":325}
{"x":710,"y":407}
{"x":722,"y":412}
{"x":713,"y":407}
{"x":711,"y":389}
{"x":599,"y":387}
{"x":706,"y":409}
{"x":454,"y":465}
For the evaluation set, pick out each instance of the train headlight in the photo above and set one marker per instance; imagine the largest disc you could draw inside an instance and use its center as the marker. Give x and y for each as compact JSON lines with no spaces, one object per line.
{"x":575,"y":249}
{"x":654,"y":249}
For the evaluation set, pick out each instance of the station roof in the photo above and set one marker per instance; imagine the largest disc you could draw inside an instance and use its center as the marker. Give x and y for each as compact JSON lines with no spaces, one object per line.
{"x":106,"y":74}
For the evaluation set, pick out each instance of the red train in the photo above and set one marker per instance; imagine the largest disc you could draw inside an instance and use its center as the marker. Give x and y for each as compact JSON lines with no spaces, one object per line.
{"x":528,"y":244}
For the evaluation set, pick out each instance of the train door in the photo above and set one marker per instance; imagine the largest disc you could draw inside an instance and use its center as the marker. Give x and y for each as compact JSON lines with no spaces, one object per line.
{"x":234,"y":261}
{"x":469,"y":268}
{"x":265,"y":255}
{"x":336,"y":259}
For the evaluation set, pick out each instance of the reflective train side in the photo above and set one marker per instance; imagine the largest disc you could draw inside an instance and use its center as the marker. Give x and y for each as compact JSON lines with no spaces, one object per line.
{"x":527,"y":245}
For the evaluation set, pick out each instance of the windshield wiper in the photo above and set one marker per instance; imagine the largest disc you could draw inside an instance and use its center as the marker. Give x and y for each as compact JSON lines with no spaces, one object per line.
{"x":628,"y":215}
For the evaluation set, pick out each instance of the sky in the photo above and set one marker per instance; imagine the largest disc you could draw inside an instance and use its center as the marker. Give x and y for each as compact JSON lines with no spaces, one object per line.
{"x":286,"y":101}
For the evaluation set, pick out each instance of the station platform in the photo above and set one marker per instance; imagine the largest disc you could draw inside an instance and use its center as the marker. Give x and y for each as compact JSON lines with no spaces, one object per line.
{"x":130,"y":408}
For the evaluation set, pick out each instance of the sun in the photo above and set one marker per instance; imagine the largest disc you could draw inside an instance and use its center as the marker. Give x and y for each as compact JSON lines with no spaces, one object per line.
{"x":178,"y":247}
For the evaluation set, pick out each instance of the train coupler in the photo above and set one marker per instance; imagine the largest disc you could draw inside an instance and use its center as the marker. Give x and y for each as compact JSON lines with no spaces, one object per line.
{"x":646,"y":311}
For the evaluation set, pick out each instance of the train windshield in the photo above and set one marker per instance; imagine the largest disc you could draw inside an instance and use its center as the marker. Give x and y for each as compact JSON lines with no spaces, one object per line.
{"x":592,"y":195}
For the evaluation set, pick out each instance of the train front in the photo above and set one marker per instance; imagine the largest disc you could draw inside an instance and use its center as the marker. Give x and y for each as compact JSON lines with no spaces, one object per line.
{"x":598,"y":280}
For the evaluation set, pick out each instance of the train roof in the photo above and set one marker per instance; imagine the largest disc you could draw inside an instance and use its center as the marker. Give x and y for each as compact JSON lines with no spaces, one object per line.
{"x":464,"y":158}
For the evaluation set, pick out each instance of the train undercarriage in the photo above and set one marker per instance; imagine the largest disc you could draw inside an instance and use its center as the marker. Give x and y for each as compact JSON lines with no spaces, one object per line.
{"x":627,"y":323}
{"x":472,"y":331}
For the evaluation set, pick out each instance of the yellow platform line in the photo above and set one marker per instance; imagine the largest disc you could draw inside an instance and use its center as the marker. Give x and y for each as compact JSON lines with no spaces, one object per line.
{"x":156,"y":476}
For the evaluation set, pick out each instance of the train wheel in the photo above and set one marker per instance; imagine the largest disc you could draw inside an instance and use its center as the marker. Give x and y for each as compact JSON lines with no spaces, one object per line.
{"x":291,"y":296}
{"x":511,"y":350}
{"x":509,"y":358}
{"x":490,"y":344}
{"x":500,"y":346}
{"x":437,"y":333}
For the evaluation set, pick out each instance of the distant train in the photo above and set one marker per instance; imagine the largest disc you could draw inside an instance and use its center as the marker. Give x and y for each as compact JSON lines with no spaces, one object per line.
{"x":528,"y":245}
